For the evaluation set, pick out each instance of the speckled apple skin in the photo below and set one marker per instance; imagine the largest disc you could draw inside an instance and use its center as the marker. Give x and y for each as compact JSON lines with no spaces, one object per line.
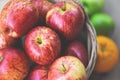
{"x":14,"y":64}
{"x":66,"y":18}
{"x":18,"y":17}
{"x":45,"y":52}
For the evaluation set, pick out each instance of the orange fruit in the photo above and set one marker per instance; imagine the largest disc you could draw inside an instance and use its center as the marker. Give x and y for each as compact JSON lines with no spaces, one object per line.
{"x":108,"y":55}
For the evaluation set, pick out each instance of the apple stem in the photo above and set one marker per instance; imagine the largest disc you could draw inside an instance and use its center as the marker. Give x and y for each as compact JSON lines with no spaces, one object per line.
{"x":64,"y":69}
{"x":38,"y":40}
{"x":1,"y":58}
{"x":64,"y":6}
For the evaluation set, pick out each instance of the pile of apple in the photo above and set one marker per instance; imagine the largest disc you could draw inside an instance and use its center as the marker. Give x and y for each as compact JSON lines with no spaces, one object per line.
{"x":39,"y":40}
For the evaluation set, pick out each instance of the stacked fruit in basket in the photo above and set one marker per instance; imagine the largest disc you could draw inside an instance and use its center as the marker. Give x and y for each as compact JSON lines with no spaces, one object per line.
{"x":108,"y":53}
{"x":39,"y":40}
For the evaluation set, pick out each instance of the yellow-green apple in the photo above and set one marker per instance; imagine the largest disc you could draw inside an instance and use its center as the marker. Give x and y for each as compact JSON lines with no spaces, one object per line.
{"x":42,"y":44}
{"x":66,"y":18}
{"x":14,"y":64}
{"x":18,"y":17}
{"x":77,"y":49}
{"x":39,"y":73}
{"x":67,"y":68}
{"x":43,"y":6}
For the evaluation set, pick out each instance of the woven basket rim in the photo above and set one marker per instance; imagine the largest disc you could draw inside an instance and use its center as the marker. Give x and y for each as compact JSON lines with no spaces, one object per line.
{"x":91,"y":39}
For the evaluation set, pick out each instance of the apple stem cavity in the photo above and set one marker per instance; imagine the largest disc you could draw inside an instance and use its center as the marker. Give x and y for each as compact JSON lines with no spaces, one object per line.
{"x":39,"y":40}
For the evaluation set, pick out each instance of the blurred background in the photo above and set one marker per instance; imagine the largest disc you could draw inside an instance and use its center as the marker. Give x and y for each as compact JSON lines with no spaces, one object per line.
{"x":111,"y":7}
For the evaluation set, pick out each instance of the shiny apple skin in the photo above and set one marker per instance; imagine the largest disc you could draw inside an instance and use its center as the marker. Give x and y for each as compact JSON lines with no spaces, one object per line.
{"x":67,"y":18}
{"x":42,"y":45}
{"x":18,"y":17}
{"x":14,"y":64}
{"x":67,"y":68}
{"x":77,"y":49}
{"x":39,"y":73}
{"x":43,"y":6}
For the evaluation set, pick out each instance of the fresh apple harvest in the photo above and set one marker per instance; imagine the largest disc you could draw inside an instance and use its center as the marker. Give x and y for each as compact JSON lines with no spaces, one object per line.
{"x":67,"y":18}
{"x":42,"y":45}
{"x":14,"y":64}
{"x":18,"y":17}
{"x":39,"y":73}
{"x":77,"y":49}
{"x":43,"y":6}
{"x":67,"y":68}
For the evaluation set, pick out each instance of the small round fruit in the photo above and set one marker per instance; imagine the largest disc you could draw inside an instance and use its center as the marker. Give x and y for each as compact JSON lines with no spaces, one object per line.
{"x":18,"y":17}
{"x":67,"y":68}
{"x":42,"y":45}
{"x":102,"y":23}
{"x":108,"y":55}
{"x":39,"y":73}
{"x":66,"y":18}
{"x":93,"y":6}
{"x":78,"y":50}
{"x":14,"y":64}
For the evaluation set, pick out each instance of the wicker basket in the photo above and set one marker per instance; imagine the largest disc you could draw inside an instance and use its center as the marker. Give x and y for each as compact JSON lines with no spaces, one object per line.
{"x":90,"y":35}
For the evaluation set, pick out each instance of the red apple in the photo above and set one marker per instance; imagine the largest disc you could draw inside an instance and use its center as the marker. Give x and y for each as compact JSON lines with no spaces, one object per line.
{"x":43,"y":6}
{"x":67,"y":18}
{"x":67,"y":68}
{"x":39,"y":73}
{"x":14,"y":64}
{"x":78,"y":50}
{"x":18,"y":17}
{"x":43,"y":45}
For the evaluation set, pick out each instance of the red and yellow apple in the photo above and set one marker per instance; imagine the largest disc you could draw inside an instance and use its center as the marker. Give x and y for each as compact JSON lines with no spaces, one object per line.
{"x":42,"y":45}
{"x":14,"y":64}
{"x":18,"y":17}
{"x":67,"y":68}
{"x":66,"y":18}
